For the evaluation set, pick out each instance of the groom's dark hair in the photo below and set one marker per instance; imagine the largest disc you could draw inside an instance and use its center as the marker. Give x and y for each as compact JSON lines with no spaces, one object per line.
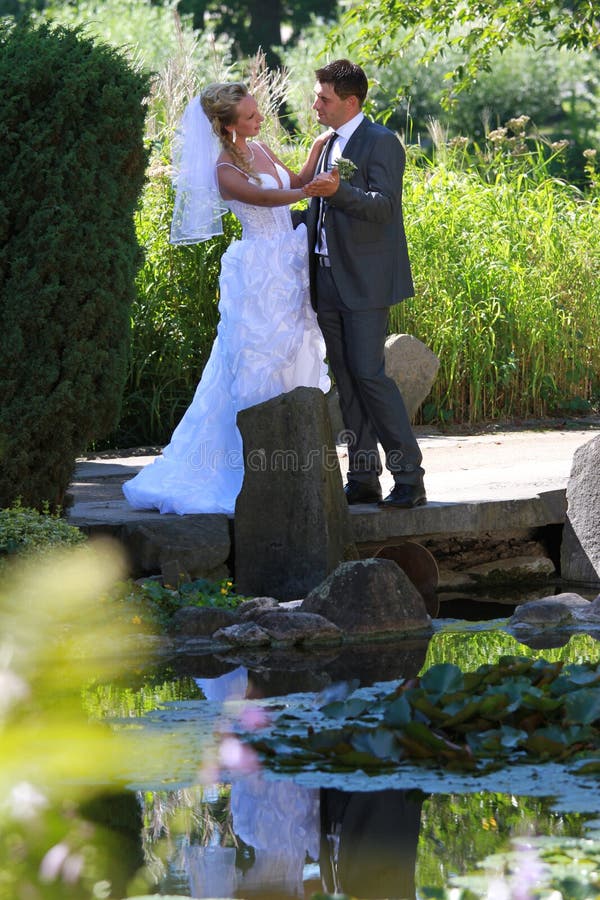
{"x":347,"y":78}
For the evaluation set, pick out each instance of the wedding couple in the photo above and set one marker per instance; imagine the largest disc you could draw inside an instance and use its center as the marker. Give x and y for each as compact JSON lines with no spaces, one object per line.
{"x":349,"y":257}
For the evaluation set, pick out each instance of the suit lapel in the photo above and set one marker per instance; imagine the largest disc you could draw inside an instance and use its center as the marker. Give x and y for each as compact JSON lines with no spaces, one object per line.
{"x":355,"y":141}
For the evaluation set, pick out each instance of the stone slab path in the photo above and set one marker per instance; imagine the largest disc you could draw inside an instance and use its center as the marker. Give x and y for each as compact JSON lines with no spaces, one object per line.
{"x":494,"y":481}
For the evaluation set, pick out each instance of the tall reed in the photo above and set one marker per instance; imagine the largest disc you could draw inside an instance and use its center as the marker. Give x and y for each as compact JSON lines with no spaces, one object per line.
{"x":507,"y":269}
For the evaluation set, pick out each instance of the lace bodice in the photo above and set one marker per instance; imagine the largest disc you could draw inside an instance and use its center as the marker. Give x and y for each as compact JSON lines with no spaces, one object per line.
{"x":263,"y":221}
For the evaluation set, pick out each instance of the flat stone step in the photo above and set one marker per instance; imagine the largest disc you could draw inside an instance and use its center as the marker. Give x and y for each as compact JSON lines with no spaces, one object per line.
{"x":486,"y":483}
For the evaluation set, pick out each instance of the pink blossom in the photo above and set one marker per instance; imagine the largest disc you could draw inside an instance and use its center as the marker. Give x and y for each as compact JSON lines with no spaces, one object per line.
{"x":52,"y":862}
{"x":238,"y":757}
{"x":253,"y":718}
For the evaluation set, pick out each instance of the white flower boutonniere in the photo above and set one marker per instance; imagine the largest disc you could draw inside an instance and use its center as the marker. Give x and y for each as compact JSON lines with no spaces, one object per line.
{"x":346,"y":168}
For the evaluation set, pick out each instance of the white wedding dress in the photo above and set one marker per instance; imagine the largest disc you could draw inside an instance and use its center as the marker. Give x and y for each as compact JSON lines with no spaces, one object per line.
{"x":268,"y":342}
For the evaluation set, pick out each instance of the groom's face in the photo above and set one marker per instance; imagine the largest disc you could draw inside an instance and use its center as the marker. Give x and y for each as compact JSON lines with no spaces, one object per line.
{"x":331,"y":110}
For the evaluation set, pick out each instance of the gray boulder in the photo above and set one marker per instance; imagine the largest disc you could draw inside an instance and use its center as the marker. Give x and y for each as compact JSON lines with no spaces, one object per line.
{"x":196,"y":621}
{"x":244,"y":634}
{"x":560,"y":609}
{"x":298,"y":628}
{"x":512,"y":570}
{"x":250,"y":609}
{"x":196,"y":545}
{"x":580,"y":549}
{"x":369,"y":598}
{"x":292,"y":525}
{"x":411,"y":364}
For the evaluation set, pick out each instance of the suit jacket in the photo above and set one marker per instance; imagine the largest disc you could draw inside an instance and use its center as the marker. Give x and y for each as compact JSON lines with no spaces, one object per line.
{"x":364,"y":225}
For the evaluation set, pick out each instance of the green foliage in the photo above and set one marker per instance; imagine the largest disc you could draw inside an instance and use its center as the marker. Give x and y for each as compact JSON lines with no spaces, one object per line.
{"x":514,"y":710}
{"x":256,"y":24}
{"x":506,"y":259}
{"x":476,"y":30}
{"x":470,"y":649}
{"x":537,"y":867}
{"x":72,"y":161}
{"x":27,"y":531}
{"x":149,"y":33}
{"x":151,"y":605}
{"x":61,"y":775}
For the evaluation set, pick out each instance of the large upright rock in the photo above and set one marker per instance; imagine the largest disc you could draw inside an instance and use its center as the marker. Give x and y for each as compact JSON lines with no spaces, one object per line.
{"x":292,"y":525}
{"x":411,"y":364}
{"x":580,"y":550}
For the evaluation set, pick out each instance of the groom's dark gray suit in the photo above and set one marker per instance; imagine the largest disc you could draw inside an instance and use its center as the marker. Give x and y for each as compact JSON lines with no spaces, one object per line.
{"x":368,"y":272}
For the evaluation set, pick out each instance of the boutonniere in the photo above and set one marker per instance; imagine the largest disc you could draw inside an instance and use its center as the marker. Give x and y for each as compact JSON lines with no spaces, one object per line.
{"x":346,"y":168}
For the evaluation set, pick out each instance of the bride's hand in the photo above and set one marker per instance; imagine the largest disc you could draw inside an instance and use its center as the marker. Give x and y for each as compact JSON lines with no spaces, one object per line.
{"x":321,"y":140}
{"x":323,"y":185}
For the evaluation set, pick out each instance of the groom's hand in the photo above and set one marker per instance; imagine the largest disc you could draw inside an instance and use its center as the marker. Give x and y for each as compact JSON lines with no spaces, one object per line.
{"x":323,"y":185}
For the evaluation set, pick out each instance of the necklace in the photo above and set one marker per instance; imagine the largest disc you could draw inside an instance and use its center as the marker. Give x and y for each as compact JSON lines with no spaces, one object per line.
{"x":250,"y":158}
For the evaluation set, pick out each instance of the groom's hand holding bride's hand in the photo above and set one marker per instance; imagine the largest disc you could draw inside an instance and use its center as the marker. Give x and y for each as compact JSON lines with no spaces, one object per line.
{"x":323,"y":185}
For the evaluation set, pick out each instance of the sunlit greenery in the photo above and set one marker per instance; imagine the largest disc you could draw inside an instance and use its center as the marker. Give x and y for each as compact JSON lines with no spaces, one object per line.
{"x":61,"y":774}
{"x":150,"y":605}
{"x":470,"y":649}
{"x":26,"y":531}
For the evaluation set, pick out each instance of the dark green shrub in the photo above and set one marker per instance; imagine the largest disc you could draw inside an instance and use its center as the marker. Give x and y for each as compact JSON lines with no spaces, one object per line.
{"x":72,"y":160}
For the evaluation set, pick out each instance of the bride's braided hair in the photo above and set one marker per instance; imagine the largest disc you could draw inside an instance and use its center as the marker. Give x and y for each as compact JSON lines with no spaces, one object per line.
{"x":219,"y":102}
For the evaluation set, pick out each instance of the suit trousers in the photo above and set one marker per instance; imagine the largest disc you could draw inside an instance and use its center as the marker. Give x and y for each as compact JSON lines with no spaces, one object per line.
{"x":371,"y":404}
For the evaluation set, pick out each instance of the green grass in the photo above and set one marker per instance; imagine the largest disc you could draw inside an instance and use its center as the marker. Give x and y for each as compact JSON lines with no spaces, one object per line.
{"x":506,"y":261}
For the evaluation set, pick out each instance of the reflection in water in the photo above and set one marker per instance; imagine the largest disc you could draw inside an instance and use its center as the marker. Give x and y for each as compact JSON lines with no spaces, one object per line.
{"x":279,"y":821}
{"x":369,"y":842}
{"x":261,"y":838}
{"x":362,"y":844}
{"x":365,"y":844}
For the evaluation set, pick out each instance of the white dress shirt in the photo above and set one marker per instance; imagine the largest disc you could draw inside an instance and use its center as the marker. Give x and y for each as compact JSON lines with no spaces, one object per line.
{"x":344,"y":133}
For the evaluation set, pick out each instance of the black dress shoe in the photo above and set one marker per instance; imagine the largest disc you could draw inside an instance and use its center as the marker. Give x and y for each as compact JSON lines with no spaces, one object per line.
{"x":359,"y":492}
{"x":405,"y":496}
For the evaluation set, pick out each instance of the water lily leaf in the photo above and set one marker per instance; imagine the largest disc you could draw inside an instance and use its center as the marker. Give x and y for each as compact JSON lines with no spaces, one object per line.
{"x":589,"y":768}
{"x":357,"y":759}
{"x":541,"y":702}
{"x":492,"y":705}
{"x":583,"y":705}
{"x":330,"y":740}
{"x":514,"y":691}
{"x":546,"y":741}
{"x":461,"y":710}
{"x":346,"y":709}
{"x":398,"y":713}
{"x":444,"y":678}
{"x":381,"y":743}
{"x":578,"y":675}
{"x":430,"y":712}
{"x":512,"y":737}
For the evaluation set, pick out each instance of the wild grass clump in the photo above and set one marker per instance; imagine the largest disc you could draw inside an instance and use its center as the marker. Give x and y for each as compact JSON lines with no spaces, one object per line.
{"x":506,"y":259}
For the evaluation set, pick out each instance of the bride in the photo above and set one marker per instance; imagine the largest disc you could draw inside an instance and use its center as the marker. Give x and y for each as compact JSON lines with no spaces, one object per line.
{"x":268,"y":340}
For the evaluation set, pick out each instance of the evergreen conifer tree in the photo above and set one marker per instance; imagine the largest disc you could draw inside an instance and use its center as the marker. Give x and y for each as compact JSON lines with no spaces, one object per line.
{"x":72,"y":163}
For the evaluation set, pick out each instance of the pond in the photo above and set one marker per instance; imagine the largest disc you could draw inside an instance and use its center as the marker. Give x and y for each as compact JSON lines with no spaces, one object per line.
{"x":215,"y":822}
{"x":128,"y":772}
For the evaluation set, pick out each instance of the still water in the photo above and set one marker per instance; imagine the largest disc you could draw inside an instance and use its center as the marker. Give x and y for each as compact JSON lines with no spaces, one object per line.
{"x":213,"y":822}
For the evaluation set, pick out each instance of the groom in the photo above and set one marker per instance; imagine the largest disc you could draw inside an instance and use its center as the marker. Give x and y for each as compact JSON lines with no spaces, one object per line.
{"x":359,"y":267}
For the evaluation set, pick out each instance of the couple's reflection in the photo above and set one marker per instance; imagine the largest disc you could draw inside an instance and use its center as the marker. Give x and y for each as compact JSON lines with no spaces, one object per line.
{"x":293,"y":841}
{"x":363,"y":844}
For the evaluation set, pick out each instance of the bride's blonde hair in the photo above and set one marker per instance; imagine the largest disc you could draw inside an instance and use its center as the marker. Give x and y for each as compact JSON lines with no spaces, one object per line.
{"x":220,"y":102}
